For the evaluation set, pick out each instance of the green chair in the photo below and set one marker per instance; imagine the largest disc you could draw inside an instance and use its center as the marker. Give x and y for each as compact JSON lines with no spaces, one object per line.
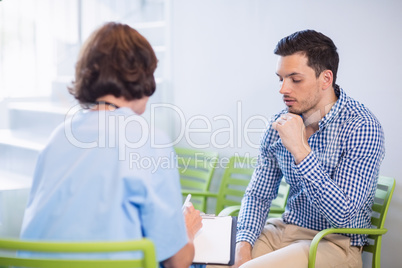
{"x":234,"y":182}
{"x":277,"y":207}
{"x":144,"y":245}
{"x":196,"y":169}
{"x":383,"y":195}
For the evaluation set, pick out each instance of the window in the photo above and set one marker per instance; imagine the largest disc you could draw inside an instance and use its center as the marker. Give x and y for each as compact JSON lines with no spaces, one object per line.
{"x":40,"y":39}
{"x":39,"y":44}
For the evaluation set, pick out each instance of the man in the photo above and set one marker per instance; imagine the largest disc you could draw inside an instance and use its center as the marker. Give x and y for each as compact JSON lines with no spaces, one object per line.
{"x":328,"y":147}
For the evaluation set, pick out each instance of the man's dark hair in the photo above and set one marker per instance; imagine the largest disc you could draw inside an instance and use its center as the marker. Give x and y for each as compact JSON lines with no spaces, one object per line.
{"x":319,"y":49}
{"x":115,"y":60}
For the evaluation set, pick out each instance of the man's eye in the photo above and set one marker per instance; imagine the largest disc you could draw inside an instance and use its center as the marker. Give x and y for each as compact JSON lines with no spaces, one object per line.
{"x":296,"y":81}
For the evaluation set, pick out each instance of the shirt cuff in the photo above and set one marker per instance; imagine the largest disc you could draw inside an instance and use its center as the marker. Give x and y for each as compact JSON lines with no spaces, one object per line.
{"x":306,"y":165}
{"x":310,"y":174}
{"x":246,"y":236}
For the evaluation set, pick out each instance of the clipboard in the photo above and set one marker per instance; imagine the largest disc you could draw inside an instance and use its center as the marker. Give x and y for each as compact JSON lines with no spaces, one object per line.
{"x":215,"y":243}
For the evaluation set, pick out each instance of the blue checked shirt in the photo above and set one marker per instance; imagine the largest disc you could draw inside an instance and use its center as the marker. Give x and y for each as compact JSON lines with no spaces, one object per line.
{"x":333,"y":186}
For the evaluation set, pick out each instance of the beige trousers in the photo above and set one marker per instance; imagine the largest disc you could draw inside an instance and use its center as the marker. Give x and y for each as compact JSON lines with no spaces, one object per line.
{"x":287,"y":245}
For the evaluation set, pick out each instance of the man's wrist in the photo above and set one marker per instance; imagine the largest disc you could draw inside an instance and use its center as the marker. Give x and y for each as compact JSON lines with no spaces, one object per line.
{"x":243,"y":253}
{"x":244,"y":245}
{"x":300,"y":155}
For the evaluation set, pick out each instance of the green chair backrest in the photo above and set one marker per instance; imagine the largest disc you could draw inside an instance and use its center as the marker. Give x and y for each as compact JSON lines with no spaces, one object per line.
{"x":234,"y":182}
{"x":382,"y":199}
{"x":196,"y":170}
{"x":144,"y":245}
{"x":383,"y":196}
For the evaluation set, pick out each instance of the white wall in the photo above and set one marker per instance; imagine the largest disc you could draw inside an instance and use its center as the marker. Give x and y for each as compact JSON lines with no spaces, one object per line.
{"x":222,"y":54}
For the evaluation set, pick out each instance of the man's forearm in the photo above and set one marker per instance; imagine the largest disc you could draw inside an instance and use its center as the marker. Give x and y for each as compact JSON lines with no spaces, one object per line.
{"x":252,"y":218}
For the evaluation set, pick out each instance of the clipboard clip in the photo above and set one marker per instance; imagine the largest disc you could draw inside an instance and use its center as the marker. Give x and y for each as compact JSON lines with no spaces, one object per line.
{"x":208,"y":216}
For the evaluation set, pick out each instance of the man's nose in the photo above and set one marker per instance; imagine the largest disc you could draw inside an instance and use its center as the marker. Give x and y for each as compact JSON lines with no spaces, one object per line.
{"x":284,"y":89}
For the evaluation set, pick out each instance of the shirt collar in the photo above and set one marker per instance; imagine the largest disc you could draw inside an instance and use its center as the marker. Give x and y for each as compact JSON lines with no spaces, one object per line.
{"x":335,"y":109}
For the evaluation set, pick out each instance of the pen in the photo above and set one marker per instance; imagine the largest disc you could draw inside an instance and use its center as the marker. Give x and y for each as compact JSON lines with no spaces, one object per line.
{"x":187,"y":200}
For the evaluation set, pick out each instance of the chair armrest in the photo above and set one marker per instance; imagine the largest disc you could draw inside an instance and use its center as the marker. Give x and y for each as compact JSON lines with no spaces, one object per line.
{"x":320,"y":235}
{"x":277,"y":210}
{"x":234,"y":211}
{"x":198,"y":193}
{"x":230,"y":211}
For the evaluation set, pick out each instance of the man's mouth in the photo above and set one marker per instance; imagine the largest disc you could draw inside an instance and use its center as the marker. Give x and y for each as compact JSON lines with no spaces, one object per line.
{"x":289,"y":102}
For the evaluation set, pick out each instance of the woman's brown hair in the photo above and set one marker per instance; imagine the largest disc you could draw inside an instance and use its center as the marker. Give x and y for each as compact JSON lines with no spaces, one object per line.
{"x":115,"y":60}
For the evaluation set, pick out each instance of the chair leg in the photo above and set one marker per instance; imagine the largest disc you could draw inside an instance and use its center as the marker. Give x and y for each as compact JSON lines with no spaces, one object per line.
{"x":377,"y":254}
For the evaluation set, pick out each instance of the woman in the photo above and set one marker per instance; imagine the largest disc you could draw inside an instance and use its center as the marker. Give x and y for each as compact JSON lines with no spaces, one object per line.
{"x":86,"y":186}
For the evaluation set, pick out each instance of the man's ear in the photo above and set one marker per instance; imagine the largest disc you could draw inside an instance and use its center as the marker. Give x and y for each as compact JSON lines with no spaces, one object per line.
{"x":327,"y":77}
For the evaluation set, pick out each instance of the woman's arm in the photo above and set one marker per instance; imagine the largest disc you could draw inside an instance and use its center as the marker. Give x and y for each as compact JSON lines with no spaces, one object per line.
{"x":184,"y":257}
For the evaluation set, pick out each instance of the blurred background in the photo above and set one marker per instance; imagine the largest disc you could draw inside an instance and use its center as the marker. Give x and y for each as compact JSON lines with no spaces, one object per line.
{"x":216,"y":82}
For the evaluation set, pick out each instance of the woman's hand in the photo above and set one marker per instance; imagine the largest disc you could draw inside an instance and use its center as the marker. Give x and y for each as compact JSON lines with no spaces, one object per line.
{"x":192,"y":219}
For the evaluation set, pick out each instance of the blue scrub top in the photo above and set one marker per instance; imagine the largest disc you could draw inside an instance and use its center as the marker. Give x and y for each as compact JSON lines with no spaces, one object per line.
{"x":101,"y":177}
